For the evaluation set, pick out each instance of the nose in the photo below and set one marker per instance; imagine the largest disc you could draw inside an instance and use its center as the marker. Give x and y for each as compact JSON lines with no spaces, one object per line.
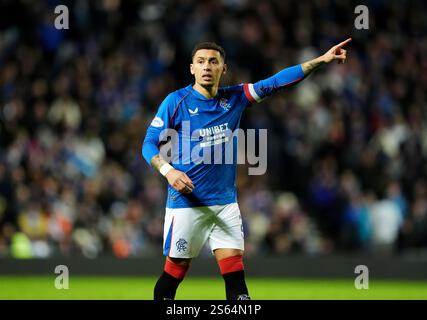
{"x":206,"y":66}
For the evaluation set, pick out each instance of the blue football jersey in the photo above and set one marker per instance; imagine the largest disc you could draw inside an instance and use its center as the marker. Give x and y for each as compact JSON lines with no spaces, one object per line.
{"x":203,"y":134}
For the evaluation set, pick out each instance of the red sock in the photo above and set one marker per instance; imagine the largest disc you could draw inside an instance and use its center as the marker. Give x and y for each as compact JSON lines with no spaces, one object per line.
{"x":177,"y":271}
{"x":231,"y":264}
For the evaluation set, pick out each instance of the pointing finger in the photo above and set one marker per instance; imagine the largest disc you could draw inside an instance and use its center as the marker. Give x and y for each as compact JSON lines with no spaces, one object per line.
{"x":344,"y":43}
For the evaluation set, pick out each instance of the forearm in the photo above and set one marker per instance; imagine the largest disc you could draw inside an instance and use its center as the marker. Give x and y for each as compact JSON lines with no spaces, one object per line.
{"x":153,"y":156}
{"x":157,"y":161}
{"x":290,"y":76}
{"x":150,"y":148}
{"x":309,"y":66}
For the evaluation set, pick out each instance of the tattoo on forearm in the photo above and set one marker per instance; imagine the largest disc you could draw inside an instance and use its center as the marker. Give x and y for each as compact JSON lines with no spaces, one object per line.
{"x":310,"y":66}
{"x":157,"y":161}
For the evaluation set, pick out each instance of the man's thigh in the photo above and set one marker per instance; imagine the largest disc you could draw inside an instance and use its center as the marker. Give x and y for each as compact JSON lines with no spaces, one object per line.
{"x":228,"y":231}
{"x":185,"y":232}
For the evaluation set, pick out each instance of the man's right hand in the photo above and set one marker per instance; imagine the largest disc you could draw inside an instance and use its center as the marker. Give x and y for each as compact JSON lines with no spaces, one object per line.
{"x":180,"y":181}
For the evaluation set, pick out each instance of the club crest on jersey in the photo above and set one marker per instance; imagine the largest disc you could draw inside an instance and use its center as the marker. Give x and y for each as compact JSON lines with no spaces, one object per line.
{"x":181,"y":245}
{"x":224,"y":104}
{"x":194,"y":112}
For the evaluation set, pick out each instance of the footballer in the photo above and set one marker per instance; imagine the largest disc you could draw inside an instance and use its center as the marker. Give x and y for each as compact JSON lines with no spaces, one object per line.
{"x":202,"y":203}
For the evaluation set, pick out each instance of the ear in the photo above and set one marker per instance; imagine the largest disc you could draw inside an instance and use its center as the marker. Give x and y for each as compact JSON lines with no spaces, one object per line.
{"x":224,"y":70}
{"x":191,"y":69}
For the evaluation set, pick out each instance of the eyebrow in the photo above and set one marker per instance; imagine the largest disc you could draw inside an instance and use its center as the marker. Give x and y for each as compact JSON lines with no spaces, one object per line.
{"x":209,"y":58}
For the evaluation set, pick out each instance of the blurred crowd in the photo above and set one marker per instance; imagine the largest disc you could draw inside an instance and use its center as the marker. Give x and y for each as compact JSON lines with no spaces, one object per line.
{"x":347,"y":147}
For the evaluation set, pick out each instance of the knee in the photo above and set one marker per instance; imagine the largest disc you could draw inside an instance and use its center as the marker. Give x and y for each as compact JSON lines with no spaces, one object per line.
{"x":226,"y":253}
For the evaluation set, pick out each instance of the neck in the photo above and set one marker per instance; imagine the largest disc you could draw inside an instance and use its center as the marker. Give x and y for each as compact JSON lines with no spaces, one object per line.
{"x":207,"y":92}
